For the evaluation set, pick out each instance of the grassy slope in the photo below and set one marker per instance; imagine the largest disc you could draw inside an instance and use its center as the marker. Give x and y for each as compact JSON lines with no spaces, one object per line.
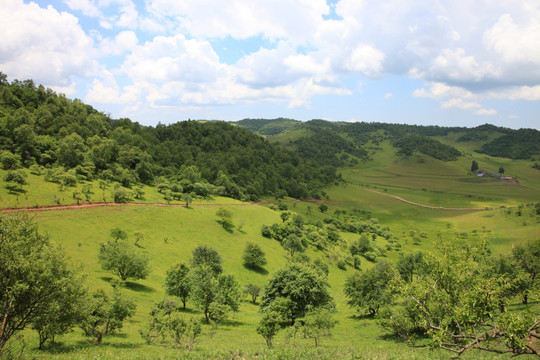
{"x":81,"y":231}
{"x":431,"y":182}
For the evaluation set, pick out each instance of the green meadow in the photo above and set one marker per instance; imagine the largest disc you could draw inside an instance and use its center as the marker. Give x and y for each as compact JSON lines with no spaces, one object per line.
{"x":170,"y":233}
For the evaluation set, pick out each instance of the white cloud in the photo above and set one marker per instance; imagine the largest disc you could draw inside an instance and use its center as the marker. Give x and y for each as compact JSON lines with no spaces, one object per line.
{"x":515,"y":43}
{"x":486,"y":112}
{"x":365,"y":59}
{"x":169,"y":59}
{"x":87,"y":7}
{"x":43,"y":44}
{"x":388,"y":96}
{"x":456,"y":65}
{"x":124,"y":41}
{"x":460,"y":104}
{"x":529,"y":93}
{"x":439,"y":90}
{"x":241,"y":19}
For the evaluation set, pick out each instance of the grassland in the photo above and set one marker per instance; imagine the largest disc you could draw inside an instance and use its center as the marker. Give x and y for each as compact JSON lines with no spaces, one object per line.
{"x":171,"y":233}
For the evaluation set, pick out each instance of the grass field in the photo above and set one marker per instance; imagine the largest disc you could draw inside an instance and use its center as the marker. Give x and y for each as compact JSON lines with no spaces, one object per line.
{"x":171,"y":233}
{"x":81,"y":231}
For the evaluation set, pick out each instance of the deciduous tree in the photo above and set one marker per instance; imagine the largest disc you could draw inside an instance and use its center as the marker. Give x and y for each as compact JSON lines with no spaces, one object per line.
{"x":34,"y":276}
{"x":254,"y":256}
{"x":369,"y":290}
{"x":103,"y":316}
{"x":123,"y":260}
{"x":301,"y":284}
{"x":178,"y":282}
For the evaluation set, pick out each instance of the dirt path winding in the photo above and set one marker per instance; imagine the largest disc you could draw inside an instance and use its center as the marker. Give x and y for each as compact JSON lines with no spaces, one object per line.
{"x":109,"y":204}
{"x":428,"y":206}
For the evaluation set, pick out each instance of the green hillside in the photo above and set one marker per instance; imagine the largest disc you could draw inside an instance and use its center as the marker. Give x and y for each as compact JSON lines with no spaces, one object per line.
{"x":342,"y":204}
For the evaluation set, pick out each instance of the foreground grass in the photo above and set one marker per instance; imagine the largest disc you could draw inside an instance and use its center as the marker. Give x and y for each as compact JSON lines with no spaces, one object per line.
{"x":171,"y":233}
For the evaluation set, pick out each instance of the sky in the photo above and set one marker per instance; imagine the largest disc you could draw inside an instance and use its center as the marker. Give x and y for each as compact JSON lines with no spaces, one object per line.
{"x":426,"y":62}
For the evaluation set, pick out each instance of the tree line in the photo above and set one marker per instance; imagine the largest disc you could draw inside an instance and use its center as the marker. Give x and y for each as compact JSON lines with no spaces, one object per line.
{"x":42,"y":129}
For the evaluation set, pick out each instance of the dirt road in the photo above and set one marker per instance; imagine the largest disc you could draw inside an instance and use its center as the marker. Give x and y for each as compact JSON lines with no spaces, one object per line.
{"x":427,"y":206}
{"x":103,"y":204}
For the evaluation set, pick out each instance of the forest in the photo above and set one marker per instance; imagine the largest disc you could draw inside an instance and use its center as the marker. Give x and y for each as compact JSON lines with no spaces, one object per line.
{"x":41,"y":128}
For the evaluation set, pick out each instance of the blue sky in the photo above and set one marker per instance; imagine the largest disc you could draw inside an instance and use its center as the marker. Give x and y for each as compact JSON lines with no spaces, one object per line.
{"x":447,"y":63}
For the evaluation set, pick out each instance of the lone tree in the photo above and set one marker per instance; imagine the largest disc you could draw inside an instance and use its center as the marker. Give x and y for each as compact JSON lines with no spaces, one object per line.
{"x":103,"y":316}
{"x":225,"y":218}
{"x":254,"y":256}
{"x":369,"y":290}
{"x":178,"y":282}
{"x":252,"y":290}
{"x":34,"y":276}
{"x":528,"y":259}
{"x":204,"y":255}
{"x":301,"y":285}
{"x":474,"y":166}
{"x":123,"y":260}
{"x":214,"y":294}
{"x":317,"y":323}
{"x":457,"y":302}
{"x":118,"y":234}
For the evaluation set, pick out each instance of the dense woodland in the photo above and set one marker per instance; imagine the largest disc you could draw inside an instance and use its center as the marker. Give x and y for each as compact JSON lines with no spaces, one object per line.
{"x":349,"y":139}
{"x":39,"y":127}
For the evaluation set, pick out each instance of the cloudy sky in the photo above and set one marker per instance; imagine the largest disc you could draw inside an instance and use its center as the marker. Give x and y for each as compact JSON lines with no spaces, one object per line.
{"x":445,"y":62}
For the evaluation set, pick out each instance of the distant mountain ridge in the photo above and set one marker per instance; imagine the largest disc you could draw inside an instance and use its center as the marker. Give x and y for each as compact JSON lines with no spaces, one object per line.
{"x":314,"y":137}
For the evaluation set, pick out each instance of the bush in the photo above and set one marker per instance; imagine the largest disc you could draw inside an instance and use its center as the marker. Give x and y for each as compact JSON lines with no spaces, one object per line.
{"x":9,"y":161}
{"x":266,"y":231}
{"x":254,"y":256}
{"x":18,"y":177}
{"x":121,"y":195}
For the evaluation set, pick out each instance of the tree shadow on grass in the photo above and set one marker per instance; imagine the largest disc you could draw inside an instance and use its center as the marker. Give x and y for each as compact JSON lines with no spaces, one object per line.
{"x":258,"y":270}
{"x":124,"y":346}
{"x":233,"y":323}
{"x":133,"y":286}
{"x":361,"y":317}
{"x":138,"y":287}
{"x":187,"y":310}
{"x":228,"y":227}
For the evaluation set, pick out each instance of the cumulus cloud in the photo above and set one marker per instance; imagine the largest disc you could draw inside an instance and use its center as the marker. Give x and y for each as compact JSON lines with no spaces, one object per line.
{"x":164,"y":53}
{"x":486,"y":112}
{"x":365,"y":59}
{"x":121,"y":43}
{"x":438,"y":90}
{"x":43,"y":44}
{"x":169,"y":59}
{"x":460,"y":104}
{"x":515,"y":43}
{"x":241,"y":19}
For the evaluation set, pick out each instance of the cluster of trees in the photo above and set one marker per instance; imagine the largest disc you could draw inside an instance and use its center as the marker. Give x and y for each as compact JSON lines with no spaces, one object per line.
{"x":297,"y":298}
{"x":42,"y":291}
{"x":269,"y":127}
{"x":514,"y":144}
{"x":459,"y":298}
{"x":344,"y":143}
{"x":43,"y":129}
{"x":122,"y":258}
{"x":326,"y":147}
{"x":295,"y":234}
{"x":427,"y":146}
